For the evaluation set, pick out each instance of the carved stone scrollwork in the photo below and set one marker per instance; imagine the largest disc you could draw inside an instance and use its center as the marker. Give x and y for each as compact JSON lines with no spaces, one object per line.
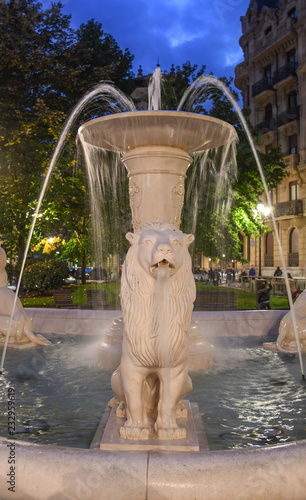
{"x":177,"y":199}
{"x":135,"y":194}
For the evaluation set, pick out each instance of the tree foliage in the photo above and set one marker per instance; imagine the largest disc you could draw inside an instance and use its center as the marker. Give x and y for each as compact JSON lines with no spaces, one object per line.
{"x":45,"y":67}
{"x":41,"y":276}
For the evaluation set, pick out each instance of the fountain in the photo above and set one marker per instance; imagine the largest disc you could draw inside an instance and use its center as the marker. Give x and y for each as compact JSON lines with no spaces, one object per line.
{"x":21,"y":325}
{"x":157,"y":285}
{"x":160,"y":151}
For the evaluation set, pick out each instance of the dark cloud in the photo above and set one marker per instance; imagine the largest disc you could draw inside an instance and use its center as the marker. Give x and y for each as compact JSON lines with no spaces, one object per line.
{"x":204,"y":32}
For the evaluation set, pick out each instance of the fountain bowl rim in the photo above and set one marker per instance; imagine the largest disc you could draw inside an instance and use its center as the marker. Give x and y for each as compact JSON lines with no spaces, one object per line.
{"x":131,"y":129}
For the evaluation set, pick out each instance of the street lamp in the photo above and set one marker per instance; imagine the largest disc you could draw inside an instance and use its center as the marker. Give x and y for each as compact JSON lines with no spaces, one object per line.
{"x":263,"y":212}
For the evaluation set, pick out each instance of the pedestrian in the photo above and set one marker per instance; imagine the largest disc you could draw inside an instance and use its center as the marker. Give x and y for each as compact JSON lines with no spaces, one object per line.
{"x":278,"y":271}
{"x":294,"y":291}
{"x":252,"y":272}
{"x":264,"y":295}
{"x":229,"y":275}
{"x":211,"y":275}
{"x":243,"y":276}
{"x":216,"y":277}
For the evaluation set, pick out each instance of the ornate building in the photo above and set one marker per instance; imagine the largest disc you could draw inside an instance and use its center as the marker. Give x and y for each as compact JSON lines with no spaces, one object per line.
{"x":272,"y":79}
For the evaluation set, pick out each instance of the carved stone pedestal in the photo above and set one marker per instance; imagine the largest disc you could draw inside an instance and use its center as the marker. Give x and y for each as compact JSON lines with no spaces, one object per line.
{"x":107,"y":436}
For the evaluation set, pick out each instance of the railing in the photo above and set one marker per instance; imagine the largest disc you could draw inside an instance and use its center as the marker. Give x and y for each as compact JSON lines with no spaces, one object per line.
{"x":293,"y":259}
{"x":264,"y":84}
{"x":288,"y":116}
{"x":294,"y":207}
{"x":268,"y":260}
{"x":285,"y":71}
{"x":266,"y":125}
{"x":241,"y":69}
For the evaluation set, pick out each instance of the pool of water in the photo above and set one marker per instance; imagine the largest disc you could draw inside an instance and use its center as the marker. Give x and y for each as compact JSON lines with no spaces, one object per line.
{"x":249,"y":397}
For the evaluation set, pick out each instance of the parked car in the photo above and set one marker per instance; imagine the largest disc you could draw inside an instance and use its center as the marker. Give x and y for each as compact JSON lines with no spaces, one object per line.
{"x":201,"y":277}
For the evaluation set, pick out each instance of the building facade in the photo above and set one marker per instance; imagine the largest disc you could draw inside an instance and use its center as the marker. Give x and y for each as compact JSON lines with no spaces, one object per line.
{"x":272,"y":79}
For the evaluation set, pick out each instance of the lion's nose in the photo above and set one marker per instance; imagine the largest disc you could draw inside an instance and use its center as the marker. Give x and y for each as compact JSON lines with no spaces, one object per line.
{"x":164,"y":248}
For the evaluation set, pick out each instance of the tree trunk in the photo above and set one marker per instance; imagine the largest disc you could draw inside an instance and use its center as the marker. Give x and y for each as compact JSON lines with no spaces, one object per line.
{"x":21,"y":247}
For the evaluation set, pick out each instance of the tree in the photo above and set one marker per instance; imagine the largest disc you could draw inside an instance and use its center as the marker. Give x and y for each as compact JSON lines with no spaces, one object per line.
{"x":104,"y":58}
{"x":176,"y":81}
{"x":44,"y":71}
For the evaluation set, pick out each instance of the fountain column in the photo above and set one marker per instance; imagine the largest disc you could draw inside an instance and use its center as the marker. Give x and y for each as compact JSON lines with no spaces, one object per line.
{"x":156,"y":183}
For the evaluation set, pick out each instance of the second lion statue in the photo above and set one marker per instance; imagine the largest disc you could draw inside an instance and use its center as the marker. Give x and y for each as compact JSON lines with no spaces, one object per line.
{"x":157,"y":295}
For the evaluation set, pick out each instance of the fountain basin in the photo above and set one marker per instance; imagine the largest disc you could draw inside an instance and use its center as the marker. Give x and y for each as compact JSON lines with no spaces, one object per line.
{"x":46,"y":472}
{"x":275,"y":472}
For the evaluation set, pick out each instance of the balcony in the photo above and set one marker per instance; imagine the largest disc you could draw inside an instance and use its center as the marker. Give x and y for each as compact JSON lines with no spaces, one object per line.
{"x":266,"y":126}
{"x":288,"y":116}
{"x":285,"y":71}
{"x":241,"y":69}
{"x":292,"y":160}
{"x":285,"y":32}
{"x":293,"y":259}
{"x":294,"y":207}
{"x":263,"y":85}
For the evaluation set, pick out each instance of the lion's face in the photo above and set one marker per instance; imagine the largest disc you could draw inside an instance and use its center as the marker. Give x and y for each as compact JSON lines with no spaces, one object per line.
{"x":160,"y":248}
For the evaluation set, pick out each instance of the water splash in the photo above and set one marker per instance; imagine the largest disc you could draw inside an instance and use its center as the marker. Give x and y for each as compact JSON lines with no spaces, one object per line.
{"x":193,"y":93}
{"x":114,"y":101}
{"x":108,"y":193}
{"x":154,"y":90}
{"x":215,"y":170}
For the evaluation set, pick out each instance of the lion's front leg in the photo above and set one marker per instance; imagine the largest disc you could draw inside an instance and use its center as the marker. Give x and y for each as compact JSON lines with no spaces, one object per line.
{"x":137,"y":425}
{"x":173,"y":387}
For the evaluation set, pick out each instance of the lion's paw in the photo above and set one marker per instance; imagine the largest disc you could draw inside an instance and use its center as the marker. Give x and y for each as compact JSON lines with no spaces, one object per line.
{"x":113,"y":401}
{"x":172,"y":433}
{"x":121,"y":410}
{"x":139,"y":433}
{"x":181,"y":411}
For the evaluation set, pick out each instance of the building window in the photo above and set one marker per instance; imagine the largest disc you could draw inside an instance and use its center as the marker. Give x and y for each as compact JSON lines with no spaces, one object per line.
{"x":268,"y":71}
{"x":292,"y":100}
{"x":291,"y":56}
{"x":268,"y":148}
{"x":268,"y":30}
{"x":268,"y":112}
{"x":294,"y":241}
{"x":269,"y":244}
{"x":293,"y":144}
{"x":293,"y":190}
{"x":292,"y":13}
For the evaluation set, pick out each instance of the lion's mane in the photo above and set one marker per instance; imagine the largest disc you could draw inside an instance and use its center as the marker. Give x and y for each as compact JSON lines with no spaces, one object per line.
{"x":141,"y":308}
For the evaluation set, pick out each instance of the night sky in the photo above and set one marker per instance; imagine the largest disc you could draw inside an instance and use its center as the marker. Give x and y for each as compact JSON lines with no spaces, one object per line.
{"x":204,"y":32}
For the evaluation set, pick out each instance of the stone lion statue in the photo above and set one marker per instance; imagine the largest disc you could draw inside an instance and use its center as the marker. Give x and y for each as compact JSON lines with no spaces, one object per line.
{"x":157,"y":295}
{"x":21,"y":326}
{"x":286,"y":341}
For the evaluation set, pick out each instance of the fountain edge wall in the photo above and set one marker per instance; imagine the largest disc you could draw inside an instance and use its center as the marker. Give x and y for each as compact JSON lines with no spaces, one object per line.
{"x":47,"y":472}
{"x":213,"y":323}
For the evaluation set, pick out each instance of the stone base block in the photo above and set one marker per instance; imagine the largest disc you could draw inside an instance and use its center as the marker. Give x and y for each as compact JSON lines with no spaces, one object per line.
{"x":108,"y":436}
